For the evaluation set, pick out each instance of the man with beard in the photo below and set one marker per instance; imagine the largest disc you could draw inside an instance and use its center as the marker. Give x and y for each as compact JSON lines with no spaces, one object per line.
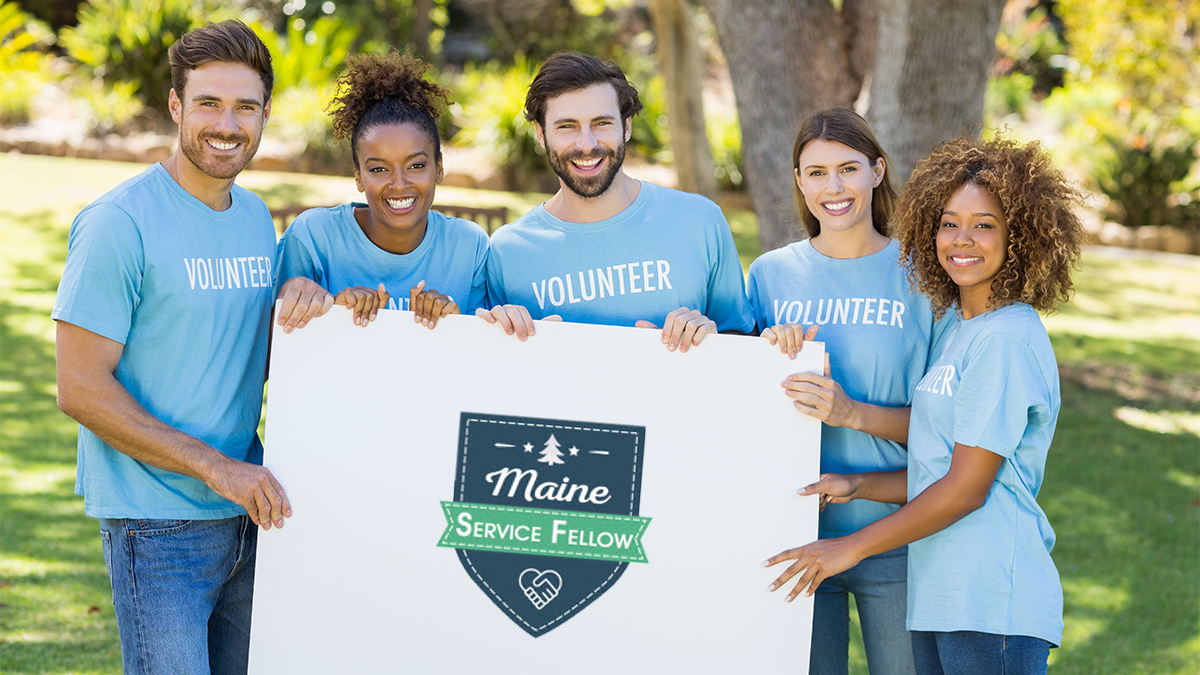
{"x":162,"y":323}
{"x":606,"y":248}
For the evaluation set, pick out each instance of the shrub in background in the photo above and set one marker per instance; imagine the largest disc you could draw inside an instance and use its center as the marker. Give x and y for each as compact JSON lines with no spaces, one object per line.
{"x":490,"y":113}
{"x":127,"y":41}
{"x":1131,"y":106}
{"x":109,"y":108}
{"x":24,"y":67}
{"x":725,"y":139}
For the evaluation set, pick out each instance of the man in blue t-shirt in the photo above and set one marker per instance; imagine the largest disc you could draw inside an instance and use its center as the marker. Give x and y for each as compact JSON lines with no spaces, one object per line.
{"x":606,"y":248}
{"x":162,"y":318}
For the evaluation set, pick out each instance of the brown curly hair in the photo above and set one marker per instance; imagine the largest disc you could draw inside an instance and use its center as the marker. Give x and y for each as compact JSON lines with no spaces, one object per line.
{"x":1045,"y":236}
{"x":386,"y":89}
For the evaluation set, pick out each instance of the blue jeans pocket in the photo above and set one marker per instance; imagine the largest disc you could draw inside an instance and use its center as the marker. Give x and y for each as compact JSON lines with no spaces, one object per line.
{"x":106,"y":543}
{"x":151,"y":527}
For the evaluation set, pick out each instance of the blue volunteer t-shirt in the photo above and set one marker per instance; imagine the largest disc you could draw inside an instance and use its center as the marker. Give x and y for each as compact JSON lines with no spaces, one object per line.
{"x":667,"y":250}
{"x":995,"y":386}
{"x":187,"y":291}
{"x":329,"y":247}
{"x":879,"y":334}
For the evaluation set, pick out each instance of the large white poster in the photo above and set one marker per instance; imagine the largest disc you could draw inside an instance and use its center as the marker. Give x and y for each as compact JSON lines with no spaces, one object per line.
{"x":583,"y":502}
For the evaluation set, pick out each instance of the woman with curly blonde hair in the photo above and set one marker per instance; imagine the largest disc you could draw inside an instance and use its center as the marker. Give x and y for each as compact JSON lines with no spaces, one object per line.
{"x":388,"y":112}
{"x":988,"y":230}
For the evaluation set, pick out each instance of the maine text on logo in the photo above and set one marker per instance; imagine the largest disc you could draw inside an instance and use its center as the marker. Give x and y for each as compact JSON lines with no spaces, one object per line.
{"x":545,"y":517}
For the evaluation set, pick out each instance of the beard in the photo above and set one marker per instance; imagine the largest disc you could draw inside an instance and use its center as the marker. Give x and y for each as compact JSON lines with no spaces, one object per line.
{"x":587,"y":187}
{"x":223,"y":168}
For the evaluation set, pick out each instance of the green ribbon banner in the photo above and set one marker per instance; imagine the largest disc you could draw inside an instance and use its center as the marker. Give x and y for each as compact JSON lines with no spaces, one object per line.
{"x":566,"y":534}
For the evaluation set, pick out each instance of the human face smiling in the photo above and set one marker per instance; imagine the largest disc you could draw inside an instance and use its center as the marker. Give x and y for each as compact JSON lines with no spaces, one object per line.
{"x":837,"y":183}
{"x":585,"y":139}
{"x":972,"y":245}
{"x":220,"y":118}
{"x":398,"y":172}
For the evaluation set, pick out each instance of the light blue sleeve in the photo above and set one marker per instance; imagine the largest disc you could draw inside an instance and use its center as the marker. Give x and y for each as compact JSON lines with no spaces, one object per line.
{"x":101,"y":284}
{"x":297,"y":256}
{"x":727,"y":303}
{"x":754,"y":295}
{"x":479,"y":280}
{"x":495,"y":280}
{"x":1001,"y":393}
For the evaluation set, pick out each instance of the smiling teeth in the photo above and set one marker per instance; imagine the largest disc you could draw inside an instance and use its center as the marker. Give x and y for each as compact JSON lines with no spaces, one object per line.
{"x":965,"y":259}
{"x":587,"y":164}
{"x":222,"y":146}
{"x":400,"y":204}
{"x":838,"y":206}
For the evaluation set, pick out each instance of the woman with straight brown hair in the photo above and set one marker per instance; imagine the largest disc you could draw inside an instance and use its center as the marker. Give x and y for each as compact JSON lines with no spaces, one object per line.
{"x":845,"y":282}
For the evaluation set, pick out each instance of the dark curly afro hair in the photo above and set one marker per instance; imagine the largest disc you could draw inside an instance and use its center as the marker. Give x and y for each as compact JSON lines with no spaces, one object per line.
{"x":1045,"y":237}
{"x":386,"y":89}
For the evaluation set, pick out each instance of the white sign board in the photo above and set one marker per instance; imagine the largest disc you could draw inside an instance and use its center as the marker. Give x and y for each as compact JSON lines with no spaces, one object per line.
{"x":583,"y":502}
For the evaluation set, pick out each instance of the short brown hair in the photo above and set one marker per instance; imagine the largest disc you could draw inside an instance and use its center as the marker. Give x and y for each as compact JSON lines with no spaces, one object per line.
{"x":571,"y":71}
{"x":841,"y":125}
{"x":228,"y":42}
{"x":1045,"y":237}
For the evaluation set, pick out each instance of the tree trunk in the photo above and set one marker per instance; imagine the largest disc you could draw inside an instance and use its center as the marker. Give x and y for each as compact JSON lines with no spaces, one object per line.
{"x":931,"y":74}
{"x":786,"y":59}
{"x":683,"y":73}
{"x":422,"y":27}
{"x":925,"y":63}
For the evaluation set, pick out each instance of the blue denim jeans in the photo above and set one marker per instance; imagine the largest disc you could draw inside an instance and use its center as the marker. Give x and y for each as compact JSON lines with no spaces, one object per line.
{"x":970,"y":653}
{"x":183,"y":591}
{"x":879,"y":585}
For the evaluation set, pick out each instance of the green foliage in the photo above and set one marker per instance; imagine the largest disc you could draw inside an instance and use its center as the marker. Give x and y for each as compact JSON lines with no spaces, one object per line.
{"x":371,"y":22}
{"x":651,"y":137}
{"x":1131,"y":105}
{"x":110,"y":108}
{"x":308,"y":53}
{"x":1008,"y":94}
{"x":24,"y":68}
{"x":127,"y":41}
{"x":491,"y":114}
{"x":725,"y":139}
{"x":1029,"y":43}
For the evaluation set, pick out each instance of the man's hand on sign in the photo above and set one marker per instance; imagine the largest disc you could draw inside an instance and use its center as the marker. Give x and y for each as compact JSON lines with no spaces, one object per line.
{"x":683,"y":328}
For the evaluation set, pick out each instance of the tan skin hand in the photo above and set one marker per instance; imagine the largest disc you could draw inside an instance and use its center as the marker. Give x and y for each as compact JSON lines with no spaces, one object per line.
{"x":363,"y":302}
{"x":514,"y":319}
{"x":789,"y":337}
{"x":301,"y":300}
{"x":683,"y":328}
{"x":428,"y":305}
{"x":821,"y":397}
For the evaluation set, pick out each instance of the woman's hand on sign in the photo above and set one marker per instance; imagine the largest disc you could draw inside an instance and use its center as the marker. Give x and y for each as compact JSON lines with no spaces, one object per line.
{"x":514,"y":319}
{"x":834,"y":488}
{"x":301,"y":300}
{"x":814,"y":563}
{"x":821,"y":397}
{"x":428,"y":305}
{"x":363,"y":301}
{"x":683,"y":328}
{"x":789,"y":337}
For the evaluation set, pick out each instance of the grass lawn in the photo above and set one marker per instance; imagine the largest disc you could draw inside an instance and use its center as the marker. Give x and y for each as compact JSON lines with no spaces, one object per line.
{"x":1122,"y":486}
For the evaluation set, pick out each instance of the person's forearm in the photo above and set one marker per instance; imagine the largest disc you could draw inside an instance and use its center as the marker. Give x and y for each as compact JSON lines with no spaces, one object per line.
{"x":887,"y":487}
{"x":881,"y":421}
{"x":941,"y":505}
{"x":110,"y":412}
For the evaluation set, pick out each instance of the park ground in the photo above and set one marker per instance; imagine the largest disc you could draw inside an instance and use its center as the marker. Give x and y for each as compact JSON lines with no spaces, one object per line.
{"x":1122,"y":486}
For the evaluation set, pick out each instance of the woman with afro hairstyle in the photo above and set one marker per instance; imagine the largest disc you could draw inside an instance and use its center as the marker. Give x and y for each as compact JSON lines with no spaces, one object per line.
{"x":388,"y":112}
{"x":989,"y":232}
{"x":879,"y":349}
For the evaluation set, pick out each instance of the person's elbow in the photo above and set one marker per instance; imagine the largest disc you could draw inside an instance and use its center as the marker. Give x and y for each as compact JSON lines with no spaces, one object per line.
{"x":71,"y":400}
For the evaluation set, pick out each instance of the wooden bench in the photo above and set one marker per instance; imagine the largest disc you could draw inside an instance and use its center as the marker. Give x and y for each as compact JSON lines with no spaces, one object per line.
{"x":489,"y":219}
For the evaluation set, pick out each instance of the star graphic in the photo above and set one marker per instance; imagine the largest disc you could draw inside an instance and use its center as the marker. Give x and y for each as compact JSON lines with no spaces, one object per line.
{"x":573,"y":450}
{"x":529,"y":447}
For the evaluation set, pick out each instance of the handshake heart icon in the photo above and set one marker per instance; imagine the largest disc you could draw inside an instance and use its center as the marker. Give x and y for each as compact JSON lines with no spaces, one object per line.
{"x":540,"y":587}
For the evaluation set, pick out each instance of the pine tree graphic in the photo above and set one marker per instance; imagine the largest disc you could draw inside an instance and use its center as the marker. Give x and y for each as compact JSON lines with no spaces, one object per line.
{"x":551,"y":454}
